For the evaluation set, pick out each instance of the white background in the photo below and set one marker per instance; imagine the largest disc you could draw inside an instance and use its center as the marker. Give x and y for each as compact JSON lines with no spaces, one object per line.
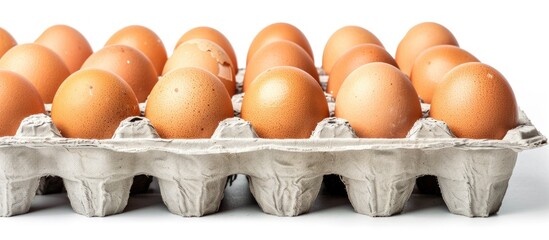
{"x":511,"y":36}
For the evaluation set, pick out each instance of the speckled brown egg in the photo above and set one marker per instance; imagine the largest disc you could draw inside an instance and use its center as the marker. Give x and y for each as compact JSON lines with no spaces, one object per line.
{"x":342,"y":40}
{"x":38,"y":64}
{"x":419,"y":38}
{"x":19,"y":99}
{"x":6,"y":41}
{"x":379,"y":101}
{"x":68,"y":43}
{"x":431,"y":65}
{"x":144,"y":40}
{"x":129,"y":64}
{"x":213,"y":35}
{"x":284,"y":102}
{"x":476,"y":101}
{"x":91,"y":103}
{"x":351,"y":60}
{"x":188,"y":103}
{"x":279,"y":53}
{"x":207,"y":55}
{"x":276,"y":32}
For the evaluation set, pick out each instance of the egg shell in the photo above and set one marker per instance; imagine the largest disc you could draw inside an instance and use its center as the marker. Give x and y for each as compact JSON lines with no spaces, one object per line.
{"x":18,"y":100}
{"x":6,"y":41}
{"x":188,"y":103}
{"x":379,"y":101}
{"x":213,"y":35}
{"x":276,"y":32}
{"x":91,"y":103}
{"x":355,"y":57}
{"x":284,"y":102}
{"x":207,"y":55}
{"x":431,"y":65}
{"x":419,"y":38}
{"x":476,"y":101}
{"x":144,"y":40}
{"x":38,"y":64}
{"x":129,"y":64}
{"x":279,"y":53}
{"x":68,"y":43}
{"x":342,"y":40}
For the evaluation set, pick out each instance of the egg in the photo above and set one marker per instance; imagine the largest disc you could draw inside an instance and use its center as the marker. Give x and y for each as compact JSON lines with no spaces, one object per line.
{"x":188,"y":103}
{"x":213,"y":35}
{"x":207,"y":55}
{"x":6,"y":41}
{"x":355,"y":57}
{"x":431,"y":65}
{"x":144,"y":40}
{"x":279,"y":53}
{"x":379,"y":101}
{"x":38,"y":64}
{"x":91,"y":103}
{"x":68,"y":43}
{"x":284,"y":102}
{"x":342,"y":40}
{"x":276,"y":32}
{"x":19,"y":99}
{"x":476,"y":101}
{"x":419,"y":38}
{"x":129,"y":64}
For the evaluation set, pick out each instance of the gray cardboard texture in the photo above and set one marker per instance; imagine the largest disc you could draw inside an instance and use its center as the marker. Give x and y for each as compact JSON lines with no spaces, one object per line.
{"x":284,"y":175}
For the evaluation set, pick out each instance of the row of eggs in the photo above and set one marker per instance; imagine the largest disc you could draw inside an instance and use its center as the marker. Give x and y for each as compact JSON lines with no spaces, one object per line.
{"x":378,"y":94}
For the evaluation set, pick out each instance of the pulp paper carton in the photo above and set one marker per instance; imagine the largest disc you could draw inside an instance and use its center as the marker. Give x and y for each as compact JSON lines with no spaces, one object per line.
{"x":284,"y":175}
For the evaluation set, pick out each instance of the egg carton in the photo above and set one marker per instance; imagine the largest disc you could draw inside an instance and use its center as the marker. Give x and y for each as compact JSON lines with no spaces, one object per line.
{"x":284,"y":175}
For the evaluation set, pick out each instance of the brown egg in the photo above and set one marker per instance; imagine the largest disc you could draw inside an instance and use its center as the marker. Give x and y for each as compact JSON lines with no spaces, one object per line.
{"x":379,"y":101}
{"x":284,"y":102}
{"x":279,"y":53}
{"x":431,"y":65}
{"x":38,"y":64}
{"x":276,"y":32}
{"x":6,"y":41}
{"x":476,"y":101}
{"x":129,"y":64}
{"x":213,"y":35}
{"x":419,"y":38}
{"x":207,"y":55}
{"x":19,"y":99}
{"x":188,"y":103}
{"x":68,"y":43}
{"x":144,"y":40}
{"x":342,"y":40}
{"x":91,"y":103}
{"x":351,"y":60}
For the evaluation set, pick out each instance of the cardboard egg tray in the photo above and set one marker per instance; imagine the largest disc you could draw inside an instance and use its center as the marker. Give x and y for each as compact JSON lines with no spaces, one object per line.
{"x":284,"y":176}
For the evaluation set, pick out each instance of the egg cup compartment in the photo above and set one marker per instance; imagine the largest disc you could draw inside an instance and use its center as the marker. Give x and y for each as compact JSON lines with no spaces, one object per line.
{"x":55,"y":184}
{"x":283,"y":183}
